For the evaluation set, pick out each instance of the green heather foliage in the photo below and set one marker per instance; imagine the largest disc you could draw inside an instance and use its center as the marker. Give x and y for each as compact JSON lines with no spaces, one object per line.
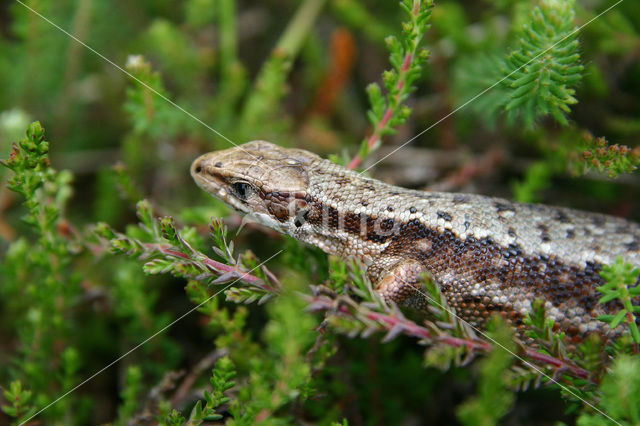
{"x":619,"y":395}
{"x":493,"y":399}
{"x":115,"y":267}
{"x":622,"y":285}
{"x":543,"y":71}
{"x":613,"y":160}
{"x":406,"y":57}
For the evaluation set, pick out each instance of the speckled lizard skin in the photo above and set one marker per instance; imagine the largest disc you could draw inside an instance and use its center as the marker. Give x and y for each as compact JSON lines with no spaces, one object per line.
{"x":486,"y":254}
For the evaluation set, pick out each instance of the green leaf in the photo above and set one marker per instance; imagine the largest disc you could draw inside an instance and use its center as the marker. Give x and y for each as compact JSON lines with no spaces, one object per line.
{"x":618,"y":317}
{"x":609,"y":297}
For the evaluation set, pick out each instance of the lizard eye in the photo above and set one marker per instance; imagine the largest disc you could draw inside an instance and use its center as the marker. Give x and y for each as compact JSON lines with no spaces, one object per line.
{"x":241,"y":190}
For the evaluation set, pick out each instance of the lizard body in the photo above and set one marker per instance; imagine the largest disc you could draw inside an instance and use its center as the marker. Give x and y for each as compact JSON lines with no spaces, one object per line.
{"x":486,"y":254}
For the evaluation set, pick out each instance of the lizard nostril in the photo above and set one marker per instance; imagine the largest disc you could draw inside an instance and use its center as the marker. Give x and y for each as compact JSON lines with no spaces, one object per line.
{"x":198,"y":168}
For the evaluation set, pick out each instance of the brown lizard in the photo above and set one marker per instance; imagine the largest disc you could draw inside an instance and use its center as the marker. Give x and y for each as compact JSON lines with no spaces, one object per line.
{"x":486,"y":254}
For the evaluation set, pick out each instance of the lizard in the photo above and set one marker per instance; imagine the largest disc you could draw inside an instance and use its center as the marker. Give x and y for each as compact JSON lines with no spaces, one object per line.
{"x":487,"y":255}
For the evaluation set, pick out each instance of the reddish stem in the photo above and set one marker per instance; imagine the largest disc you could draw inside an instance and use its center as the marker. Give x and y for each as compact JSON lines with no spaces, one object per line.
{"x":558,"y":364}
{"x":216,"y":266}
{"x":410,"y":328}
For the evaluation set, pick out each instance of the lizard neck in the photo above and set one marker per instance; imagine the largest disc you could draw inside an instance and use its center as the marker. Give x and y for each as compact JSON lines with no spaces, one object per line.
{"x":345,"y":217}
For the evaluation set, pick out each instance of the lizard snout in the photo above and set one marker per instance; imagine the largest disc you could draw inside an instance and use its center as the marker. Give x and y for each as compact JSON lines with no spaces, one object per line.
{"x":197,"y":166}
{"x":205,"y":164}
{"x":202,"y":171}
{"x":201,"y":166}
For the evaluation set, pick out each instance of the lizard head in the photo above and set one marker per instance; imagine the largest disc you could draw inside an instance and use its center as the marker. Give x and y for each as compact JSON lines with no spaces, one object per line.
{"x":258,"y":178}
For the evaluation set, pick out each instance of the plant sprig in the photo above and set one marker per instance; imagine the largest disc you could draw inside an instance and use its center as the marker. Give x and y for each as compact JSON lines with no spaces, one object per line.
{"x":618,"y":395}
{"x":38,"y":278}
{"x":612,"y":160}
{"x":221,"y":380}
{"x":363,"y":319}
{"x":493,"y":398}
{"x":406,"y":57}
{"x":166,"y":250}
{"x":622,"y":285}
{"x":45,"y":190}
{"x":20,"y":401}
{"x":545,"y":68}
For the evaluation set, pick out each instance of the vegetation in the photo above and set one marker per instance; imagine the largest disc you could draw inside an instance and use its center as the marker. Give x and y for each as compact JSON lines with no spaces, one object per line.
{"x":118,"y":304}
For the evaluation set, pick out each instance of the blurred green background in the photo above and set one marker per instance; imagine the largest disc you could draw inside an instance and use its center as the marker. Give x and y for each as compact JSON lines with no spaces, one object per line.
{"x":294,"y":73}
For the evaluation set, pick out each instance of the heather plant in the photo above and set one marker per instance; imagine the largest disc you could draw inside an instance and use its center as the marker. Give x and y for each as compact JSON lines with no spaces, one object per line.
{"x":128,"y":296}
